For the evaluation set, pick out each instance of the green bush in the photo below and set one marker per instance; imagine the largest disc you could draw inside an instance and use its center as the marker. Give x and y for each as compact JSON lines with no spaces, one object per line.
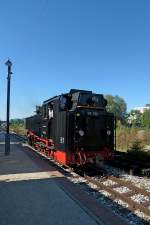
{"x":18,"y":127}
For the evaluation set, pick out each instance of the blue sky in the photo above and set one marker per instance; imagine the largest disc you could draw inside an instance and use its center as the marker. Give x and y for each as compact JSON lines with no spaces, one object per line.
{"x":56,"y":45}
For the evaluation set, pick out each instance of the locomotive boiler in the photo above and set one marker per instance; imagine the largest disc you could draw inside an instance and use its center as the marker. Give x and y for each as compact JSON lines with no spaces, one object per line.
{"x":73,"y":128}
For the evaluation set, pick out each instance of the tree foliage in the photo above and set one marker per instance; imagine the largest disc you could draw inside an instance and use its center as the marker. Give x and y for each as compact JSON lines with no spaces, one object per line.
{"x":17,"y":126}
{"x":134,"y":118}
{"x":138,"y":119}
{"x":14,"y":122}
{"x":145,"y":120}
{"x":118,"y":106}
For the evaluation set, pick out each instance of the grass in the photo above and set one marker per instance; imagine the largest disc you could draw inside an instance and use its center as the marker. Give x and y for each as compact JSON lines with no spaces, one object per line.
{"x":18,"y":128}
{"x":132,"y":138}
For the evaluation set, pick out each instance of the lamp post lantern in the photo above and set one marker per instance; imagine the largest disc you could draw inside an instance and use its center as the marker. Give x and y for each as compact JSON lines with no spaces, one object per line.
{"x":7,"y":136}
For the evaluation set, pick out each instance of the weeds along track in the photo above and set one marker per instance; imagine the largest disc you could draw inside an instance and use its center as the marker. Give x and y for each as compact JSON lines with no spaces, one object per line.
{"x":134,"y":197}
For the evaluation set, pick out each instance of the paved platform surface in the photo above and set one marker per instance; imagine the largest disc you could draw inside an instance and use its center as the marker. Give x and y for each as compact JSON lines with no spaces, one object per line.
{"x":32,"y":192}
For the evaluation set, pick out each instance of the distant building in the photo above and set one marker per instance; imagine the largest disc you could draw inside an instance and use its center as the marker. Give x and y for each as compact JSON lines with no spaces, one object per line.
{"x":143,"y":108}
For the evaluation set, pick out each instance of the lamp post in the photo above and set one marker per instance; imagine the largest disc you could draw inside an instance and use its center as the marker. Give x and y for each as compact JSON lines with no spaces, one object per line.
{"x":7,"y":136}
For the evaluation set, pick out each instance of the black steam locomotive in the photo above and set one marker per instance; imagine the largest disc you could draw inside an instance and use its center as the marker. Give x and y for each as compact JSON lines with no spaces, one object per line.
{"x":73,"y":128}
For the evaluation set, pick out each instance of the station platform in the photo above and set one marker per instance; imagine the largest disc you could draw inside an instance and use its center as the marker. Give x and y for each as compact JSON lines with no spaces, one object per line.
{"x":33,"y":192}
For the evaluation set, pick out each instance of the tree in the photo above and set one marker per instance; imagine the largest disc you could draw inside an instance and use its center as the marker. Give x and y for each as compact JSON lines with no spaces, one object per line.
{"x":135,"y":118}
{"x":118,"y":106}
{"x":146,"y":119}
{"x":17,"y":126}
{"x":16,"y":122}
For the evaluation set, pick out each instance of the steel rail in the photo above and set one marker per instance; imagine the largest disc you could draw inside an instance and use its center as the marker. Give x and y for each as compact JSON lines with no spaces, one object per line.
{"x":132,"y":205}
{"x":130,"y":185}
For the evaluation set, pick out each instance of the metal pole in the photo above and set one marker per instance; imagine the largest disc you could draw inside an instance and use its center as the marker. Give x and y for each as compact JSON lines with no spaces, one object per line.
{"x":7,"y":136}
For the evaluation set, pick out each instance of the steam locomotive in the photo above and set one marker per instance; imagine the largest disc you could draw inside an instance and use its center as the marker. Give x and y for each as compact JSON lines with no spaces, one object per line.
{"x":73,"y":128}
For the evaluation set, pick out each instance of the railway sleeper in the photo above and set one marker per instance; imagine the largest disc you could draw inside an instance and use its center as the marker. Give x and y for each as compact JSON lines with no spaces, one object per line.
{"x":130,"y":186}
{"x":132,"y":205}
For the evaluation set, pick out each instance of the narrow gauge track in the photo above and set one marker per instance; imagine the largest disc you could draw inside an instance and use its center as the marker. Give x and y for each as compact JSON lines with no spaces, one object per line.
{"x":116,"y":183}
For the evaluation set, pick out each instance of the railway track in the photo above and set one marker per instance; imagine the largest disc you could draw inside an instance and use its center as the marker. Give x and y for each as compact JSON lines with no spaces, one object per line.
{"x":128,"y":192}
{"x":111,"y":185}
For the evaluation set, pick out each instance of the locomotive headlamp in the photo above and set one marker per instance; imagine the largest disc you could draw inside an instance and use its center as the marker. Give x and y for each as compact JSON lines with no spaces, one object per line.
{"x":81,"y":132}
{"x":108,"y":132}
{"x":78,"y":114}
